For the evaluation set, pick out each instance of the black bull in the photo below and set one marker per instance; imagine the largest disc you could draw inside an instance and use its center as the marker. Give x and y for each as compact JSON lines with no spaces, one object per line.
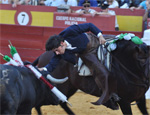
{"x":130,"y":65}
{"x":20,"y":91}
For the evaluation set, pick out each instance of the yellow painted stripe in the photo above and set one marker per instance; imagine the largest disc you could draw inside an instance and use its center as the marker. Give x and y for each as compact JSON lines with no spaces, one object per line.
{"x":130,"y":23}
{"x":7,"y":16}
{"x":42,"y":19}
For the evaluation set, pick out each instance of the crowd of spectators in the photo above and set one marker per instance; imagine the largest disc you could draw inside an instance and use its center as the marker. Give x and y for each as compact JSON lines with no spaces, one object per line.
{"x":87,"y":8}
{"x":93,"y":3}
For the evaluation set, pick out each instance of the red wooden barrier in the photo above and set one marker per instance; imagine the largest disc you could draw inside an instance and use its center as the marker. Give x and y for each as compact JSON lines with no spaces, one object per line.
{"x":105,"y":22}
{"x":30,"y":41}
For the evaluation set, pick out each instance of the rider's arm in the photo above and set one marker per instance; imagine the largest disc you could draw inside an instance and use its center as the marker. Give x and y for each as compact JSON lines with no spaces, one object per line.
{"x":75,"y":30}
{"x":53,"y":63}
{"x":80,"y":28}
{"x":91,"y":27}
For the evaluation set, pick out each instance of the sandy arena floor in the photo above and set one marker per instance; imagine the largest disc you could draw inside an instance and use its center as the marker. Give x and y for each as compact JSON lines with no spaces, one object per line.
{"x":81,"y":105}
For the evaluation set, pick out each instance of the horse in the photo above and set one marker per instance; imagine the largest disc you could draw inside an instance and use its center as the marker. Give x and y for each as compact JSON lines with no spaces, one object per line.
{"x":129,"y":64}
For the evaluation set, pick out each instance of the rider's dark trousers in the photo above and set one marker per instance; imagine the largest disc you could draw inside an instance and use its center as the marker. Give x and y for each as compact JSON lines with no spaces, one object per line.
{"x":100,"y":72}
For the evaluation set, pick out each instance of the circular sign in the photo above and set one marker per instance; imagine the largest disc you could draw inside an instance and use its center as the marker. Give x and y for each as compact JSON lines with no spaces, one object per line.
{"x":23,"y":18}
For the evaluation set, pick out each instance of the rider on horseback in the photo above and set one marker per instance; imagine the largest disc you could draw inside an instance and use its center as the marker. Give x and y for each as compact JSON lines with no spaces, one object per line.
{"x":74,"y":41}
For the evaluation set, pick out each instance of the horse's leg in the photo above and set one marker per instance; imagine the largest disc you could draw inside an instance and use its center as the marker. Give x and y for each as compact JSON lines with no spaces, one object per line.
{"x":125,"y":107}
{"x":142,"y":105}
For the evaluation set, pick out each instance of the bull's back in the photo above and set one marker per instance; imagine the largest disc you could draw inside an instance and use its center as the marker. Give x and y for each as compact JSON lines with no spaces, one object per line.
{"x":9,"y":95}
{"x":16,"y":88}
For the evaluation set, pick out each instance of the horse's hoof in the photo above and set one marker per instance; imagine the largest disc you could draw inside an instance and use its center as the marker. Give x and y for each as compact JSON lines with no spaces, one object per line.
{"x":115,"y":97}
{"x":111,"y":104}
{"x":95,"y":103}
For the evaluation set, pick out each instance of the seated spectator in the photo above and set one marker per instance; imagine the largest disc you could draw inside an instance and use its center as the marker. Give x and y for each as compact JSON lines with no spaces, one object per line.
{"x":135,"y":3}
{"x":69,"y":2}
{"x":112,"y":3}
{"x":65,"y":5}
{"x":147,"y":14}
{"x":92,"y":2}
{"x":141,"y":6}
{"x":86,"y":9}
{"x":50,"y":2}
{"x":24,"y":2}
{"x":124,"y":3}
{"x":5,"y":1}
{"x":106,"y":11}
{"x":100,"y":2}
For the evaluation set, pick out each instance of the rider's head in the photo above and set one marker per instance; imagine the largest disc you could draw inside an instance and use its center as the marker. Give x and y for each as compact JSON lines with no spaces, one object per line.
{"x":56,"y":43}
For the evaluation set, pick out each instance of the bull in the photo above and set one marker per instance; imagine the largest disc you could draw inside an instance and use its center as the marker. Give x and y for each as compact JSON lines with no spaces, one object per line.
{"x":20,"y":91}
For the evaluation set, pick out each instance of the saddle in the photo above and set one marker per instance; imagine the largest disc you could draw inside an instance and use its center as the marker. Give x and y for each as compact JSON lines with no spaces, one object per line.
{"x":104,"y":58}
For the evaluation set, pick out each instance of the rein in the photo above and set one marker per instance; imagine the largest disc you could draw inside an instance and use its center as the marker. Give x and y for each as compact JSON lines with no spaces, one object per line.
{"x":126,"y":69}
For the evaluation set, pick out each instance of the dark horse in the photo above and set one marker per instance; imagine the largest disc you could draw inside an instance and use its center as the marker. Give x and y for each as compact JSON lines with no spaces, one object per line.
{"x":130,"y":66}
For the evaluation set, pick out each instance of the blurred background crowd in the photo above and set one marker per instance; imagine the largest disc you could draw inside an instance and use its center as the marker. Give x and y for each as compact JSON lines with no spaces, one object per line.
{"x":87,"y":6}
{"x":93,"y":3}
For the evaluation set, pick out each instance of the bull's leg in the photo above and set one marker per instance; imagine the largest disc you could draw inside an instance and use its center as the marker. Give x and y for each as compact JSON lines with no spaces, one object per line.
{"x":25,"y":109}
{"x":66,"y":108}
{"x":11,"y":110}
{"x":125,"y":107}
{"x":9,"y":105}
{"x":38,"y":109}
{"x":64,"y":105}
{"x":25,"y":112}
{"x":142,"y":105}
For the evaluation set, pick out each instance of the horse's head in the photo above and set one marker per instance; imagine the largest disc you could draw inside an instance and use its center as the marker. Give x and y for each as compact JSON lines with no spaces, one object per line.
{"x":134,"y":57}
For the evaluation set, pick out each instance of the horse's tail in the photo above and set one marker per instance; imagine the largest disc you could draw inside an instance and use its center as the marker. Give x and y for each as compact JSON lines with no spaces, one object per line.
{"x":35,"y":62}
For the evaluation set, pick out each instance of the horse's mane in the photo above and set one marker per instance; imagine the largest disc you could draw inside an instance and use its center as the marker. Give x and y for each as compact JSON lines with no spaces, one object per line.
{"x":125,"y":45}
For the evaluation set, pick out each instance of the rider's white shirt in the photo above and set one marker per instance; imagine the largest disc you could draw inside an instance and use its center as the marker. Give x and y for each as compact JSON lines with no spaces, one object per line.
{"x":69,"y":46}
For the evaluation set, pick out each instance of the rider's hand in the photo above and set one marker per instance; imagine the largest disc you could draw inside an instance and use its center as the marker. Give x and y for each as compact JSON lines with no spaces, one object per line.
{"x":102,"y":39}
{"x":42,"y":69}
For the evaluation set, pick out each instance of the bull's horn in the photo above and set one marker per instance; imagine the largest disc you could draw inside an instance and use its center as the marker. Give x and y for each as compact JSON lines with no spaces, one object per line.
{"x":57,"y":81}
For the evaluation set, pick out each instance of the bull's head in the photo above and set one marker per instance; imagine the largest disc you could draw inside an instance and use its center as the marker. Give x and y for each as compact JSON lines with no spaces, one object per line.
{"x":46,"y":74}
{"x":57,"y":81}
